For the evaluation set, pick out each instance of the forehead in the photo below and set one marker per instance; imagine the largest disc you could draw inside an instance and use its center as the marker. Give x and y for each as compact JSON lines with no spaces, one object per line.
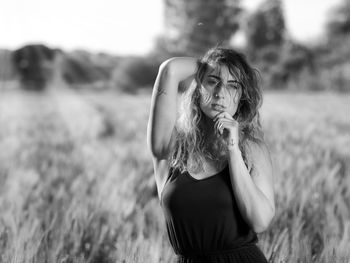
{"x":223,"y":72}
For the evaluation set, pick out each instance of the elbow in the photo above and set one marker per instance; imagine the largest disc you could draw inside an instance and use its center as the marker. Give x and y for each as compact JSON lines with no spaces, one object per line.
{"x":264,"y":221}
{"x":167,"y":66}
{"x":173,"y":67}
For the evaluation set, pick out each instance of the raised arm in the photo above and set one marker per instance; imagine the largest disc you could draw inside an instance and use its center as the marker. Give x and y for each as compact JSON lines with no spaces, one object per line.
{"x":164,"y":103}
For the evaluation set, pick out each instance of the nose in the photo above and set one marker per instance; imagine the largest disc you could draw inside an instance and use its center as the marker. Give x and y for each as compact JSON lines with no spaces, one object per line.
{"x":219,"y":91}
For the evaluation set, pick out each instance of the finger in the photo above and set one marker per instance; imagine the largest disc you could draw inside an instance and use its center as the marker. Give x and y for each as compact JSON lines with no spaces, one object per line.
{"x":217,"y":129}
{"x":232,"y":121}
{"x":222,"y":129}
{"x":217,"y":115}
{"x":222,"y":123}
{"x":229,"y":122}
{"x":224,"y":126}
{"x":226,"y":115}
{"x":223,"y":114}
{"x":219,"y":126}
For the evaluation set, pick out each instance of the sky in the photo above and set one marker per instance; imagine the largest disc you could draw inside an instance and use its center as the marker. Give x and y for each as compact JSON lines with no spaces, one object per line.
{"x":120,"y":26}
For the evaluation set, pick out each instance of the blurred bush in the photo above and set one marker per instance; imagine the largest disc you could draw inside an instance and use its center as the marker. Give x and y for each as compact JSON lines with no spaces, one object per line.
{"x":34,"y":65}
{"x":7,"y":71}
{"x":82,"y":67}
{"x":37,"y":65}
{"x":280,"y":64}
{"x":134,"y":73}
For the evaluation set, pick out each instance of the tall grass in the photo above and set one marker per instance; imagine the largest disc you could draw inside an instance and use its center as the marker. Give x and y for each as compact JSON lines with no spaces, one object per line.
{"x":77,"y":184}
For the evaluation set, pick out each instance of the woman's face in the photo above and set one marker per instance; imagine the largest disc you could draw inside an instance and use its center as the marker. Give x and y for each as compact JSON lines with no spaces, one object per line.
{"x":220,"y":91}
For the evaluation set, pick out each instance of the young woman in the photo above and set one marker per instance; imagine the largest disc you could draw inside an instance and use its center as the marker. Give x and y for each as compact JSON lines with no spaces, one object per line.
{"x":212,"y":168}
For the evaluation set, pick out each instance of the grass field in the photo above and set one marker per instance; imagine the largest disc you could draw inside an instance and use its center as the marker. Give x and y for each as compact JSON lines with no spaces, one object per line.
{"x":76,"y":178}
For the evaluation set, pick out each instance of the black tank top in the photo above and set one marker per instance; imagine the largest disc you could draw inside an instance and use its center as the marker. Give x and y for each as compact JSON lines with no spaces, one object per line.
{"x":203,"y":220}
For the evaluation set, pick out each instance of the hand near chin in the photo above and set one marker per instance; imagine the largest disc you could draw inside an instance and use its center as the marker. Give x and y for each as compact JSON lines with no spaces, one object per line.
{"x":225,"y":125}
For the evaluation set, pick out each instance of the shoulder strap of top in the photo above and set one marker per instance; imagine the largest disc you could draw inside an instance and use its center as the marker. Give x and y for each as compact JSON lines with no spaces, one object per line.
{"x":170,"y":174}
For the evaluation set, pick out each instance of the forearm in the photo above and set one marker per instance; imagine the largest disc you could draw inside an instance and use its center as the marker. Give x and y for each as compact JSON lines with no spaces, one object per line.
{"x":254,"y":206}
{"x":164,"y":103}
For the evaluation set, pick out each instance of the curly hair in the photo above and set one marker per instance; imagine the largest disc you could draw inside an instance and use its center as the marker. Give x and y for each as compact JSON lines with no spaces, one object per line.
{"x":190,"y":143}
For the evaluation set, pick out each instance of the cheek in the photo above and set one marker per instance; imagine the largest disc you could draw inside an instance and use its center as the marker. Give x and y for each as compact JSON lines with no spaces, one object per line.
{"x":205,"y":96}
{"x":235,"y":98}
{"x":231,"y":107}
{"x":233,"y":104}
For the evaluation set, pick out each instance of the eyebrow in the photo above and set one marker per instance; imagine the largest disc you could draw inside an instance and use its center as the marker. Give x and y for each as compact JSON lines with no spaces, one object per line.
{"x":218,"y":78}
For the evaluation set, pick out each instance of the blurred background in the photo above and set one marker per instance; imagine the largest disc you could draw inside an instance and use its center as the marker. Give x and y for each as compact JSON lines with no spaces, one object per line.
{"x":76,"y":176}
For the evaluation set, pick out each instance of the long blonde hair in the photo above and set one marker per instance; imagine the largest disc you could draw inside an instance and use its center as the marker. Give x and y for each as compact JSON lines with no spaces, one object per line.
{"x":190,"y":142}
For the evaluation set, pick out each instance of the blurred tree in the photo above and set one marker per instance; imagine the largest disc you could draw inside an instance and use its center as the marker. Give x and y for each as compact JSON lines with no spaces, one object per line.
{"x":82,"y":67}
{"x":294,"y":59}
{"x":134,"y":73}
{"x":339,"y":21}
{"x":193,"y":26}
{"x":34,"y":65}
{"x":265,"y":28}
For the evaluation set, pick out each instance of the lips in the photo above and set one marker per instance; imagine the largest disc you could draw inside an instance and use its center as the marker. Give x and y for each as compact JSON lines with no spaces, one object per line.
{"x":218,"y":106}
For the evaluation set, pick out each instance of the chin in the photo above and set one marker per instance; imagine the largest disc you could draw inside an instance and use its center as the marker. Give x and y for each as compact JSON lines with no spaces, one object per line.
{"x":209,"y":113}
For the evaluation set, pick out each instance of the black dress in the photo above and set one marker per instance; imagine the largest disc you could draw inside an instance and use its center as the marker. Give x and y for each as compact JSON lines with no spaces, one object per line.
{"x":203,"y":220}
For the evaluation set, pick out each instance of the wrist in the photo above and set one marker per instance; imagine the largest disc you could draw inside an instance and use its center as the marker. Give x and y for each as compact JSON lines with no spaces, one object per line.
{"x":233,"y":146}
{"x":234,"y":149}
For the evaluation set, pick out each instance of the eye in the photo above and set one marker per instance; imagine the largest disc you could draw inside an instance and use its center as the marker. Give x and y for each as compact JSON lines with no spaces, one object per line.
{"x":234,"y":85}
{"x":212,"y":82}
